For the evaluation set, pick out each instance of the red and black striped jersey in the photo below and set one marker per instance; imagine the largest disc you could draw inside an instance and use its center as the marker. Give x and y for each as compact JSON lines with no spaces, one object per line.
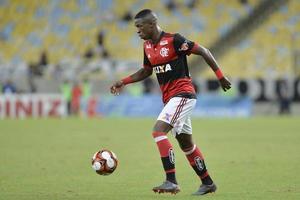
{"x":168,"y":59}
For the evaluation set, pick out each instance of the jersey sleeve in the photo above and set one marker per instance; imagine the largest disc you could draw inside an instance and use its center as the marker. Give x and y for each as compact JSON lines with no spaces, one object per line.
{"x":182,"y":45}
{"x":147,"y":64}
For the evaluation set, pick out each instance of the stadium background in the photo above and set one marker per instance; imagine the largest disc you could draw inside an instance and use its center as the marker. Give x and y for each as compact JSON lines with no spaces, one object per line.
{"x":46,"y":43}
{"x":51,"y":49}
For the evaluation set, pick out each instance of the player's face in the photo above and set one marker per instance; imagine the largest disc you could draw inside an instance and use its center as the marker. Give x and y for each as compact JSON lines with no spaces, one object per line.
{"x":144,"y":29}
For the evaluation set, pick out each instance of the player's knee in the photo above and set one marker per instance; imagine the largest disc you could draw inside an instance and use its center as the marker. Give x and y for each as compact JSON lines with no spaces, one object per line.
{"x":185,"y":141}
{"x":161,"y":126}
{"x":185,"y":145}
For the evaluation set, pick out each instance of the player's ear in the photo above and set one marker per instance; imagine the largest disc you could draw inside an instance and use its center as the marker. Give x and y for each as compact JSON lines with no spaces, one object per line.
{"x":152,"y":24}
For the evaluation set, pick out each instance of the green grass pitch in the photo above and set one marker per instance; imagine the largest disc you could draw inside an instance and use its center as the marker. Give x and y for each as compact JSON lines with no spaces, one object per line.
{"x":256,"y":158}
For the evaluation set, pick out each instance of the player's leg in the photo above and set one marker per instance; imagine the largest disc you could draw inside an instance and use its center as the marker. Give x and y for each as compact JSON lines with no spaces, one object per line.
{"x":195,"y":158}
{"x":183,"y":132}
{"x":162,"y":127}
{"x":165,"y":148}
{"x":160,"y":131}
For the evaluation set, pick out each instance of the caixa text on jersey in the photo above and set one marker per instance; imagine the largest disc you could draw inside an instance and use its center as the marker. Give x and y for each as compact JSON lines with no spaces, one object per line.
{"x":162,"y":68}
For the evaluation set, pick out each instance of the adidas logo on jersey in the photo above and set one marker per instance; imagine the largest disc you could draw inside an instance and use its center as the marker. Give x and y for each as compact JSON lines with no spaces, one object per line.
{"x":164,"y":42}
{"x":162,"y":68}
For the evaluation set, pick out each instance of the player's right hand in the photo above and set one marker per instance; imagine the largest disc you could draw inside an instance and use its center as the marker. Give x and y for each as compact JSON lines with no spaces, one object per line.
{"x":117,"y":87}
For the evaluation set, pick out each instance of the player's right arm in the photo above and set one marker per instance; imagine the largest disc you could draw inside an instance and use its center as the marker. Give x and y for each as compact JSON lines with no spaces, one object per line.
{"x":140,"y":75}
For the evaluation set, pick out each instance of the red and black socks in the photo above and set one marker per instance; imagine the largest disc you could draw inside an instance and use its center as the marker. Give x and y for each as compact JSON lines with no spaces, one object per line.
{"x":166,"y":154}
{"x":196,"y":160}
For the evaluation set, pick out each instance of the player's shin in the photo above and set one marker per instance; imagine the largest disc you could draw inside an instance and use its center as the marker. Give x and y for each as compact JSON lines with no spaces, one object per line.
{"x":196,"y":160}
{"x":166,"y":154}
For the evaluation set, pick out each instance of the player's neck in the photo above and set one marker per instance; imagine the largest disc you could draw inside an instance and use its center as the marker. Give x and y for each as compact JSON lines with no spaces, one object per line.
{"x":157,"y":35}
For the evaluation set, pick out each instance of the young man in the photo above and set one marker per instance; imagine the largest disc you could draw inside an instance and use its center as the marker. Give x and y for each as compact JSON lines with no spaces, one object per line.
{"x":165,"y":54}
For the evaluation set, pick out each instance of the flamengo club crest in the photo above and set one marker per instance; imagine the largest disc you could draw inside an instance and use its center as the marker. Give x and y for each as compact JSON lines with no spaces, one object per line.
{"x":164,"y":52}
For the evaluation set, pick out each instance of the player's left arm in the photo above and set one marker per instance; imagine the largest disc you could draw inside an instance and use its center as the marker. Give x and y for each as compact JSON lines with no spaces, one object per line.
{"x":211,"y":61}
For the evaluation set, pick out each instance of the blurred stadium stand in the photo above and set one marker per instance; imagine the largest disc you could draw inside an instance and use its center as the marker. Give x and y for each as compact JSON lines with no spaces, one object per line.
{"x":268,"y":50}
{"x":252,"y":39}
{"x":66,"y":29}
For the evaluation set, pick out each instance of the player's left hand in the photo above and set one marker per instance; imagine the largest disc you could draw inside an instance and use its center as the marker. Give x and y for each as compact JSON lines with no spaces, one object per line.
{"x":225,"y":83}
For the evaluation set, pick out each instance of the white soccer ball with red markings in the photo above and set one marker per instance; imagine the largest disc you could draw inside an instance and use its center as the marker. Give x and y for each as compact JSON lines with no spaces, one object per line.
{"x":104,"y":162}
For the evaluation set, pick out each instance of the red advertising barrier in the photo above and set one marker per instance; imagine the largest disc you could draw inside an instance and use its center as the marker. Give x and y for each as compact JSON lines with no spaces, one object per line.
{"x":32,"y":105}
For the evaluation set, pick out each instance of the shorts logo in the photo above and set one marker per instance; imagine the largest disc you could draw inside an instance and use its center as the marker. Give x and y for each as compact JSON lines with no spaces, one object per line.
{"x":167,"y":117}
{"x":164,"y":52}
{"x":199,"y":163}
{"x":172,"y":156}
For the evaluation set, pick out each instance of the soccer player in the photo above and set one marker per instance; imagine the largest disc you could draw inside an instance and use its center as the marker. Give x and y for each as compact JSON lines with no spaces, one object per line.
{"x":166,"y":55}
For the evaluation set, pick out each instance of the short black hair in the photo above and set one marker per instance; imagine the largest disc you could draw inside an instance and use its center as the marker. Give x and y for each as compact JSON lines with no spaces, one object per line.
{"x":143,"y":13}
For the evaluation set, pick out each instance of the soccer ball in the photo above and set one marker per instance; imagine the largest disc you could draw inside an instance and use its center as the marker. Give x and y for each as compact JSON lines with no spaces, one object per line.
{"x":104,"y":162}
